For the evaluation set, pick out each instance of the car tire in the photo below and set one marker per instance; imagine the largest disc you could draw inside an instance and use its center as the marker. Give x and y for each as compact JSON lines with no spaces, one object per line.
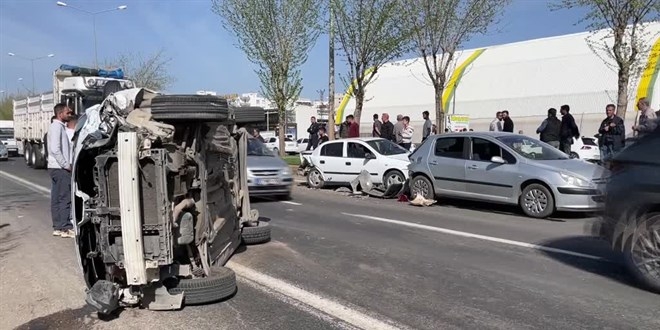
{"x":315,"y":179}
{"x":276,"y":151}
{"x":644,"y":273}
{"x":256,"y":234}
{"x":574,"y":155}
{"x":422,"y":185}
{"x":219,"y":285}
{"x":537,"y":201}
{"x":189,"y":108}
{"x":392,"y":174}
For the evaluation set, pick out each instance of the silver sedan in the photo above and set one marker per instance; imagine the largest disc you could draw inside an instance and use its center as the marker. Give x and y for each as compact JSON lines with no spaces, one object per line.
{"x":505,"y":168}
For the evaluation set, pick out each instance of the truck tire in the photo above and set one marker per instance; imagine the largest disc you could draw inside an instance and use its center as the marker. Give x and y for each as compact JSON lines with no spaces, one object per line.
{"x":219,"y":285}
{"x":27,"y":154}
{"x":256,"y":234}
{"x":189,"y":108}
{"x":245,"y":115}
{"x":40,"y":160}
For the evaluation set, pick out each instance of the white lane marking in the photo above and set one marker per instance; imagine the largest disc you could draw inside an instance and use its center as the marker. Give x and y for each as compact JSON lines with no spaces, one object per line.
{"x":481,"y":237}
{"x":348,"y":314}
{"x":32,"y":186}
{"x":291,"y":203}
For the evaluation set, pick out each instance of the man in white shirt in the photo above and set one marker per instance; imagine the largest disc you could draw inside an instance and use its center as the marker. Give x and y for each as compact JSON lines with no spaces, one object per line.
{"x":496,"y":124}
{"x":59,"y":169}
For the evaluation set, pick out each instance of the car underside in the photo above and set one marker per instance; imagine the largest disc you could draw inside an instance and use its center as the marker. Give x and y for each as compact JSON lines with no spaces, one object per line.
{"x":160,"y":200}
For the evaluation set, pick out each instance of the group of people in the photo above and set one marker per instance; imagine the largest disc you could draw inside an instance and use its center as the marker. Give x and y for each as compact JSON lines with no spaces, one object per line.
{"x":402,"y":132}
{"x":612,"y":132}
{"x":60,"y":159}
{"x":502,"y":122}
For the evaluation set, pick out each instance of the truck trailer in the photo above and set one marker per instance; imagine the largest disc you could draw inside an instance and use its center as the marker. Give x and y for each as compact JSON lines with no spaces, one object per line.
{"x":79,"y":88}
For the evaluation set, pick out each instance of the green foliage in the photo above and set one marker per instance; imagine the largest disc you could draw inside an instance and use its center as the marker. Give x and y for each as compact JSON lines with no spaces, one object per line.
{"x":370,"y":33}
{"x":7,"y":107}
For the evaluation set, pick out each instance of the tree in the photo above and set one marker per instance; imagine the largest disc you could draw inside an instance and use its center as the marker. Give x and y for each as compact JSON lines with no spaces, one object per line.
{"x":626,"y":41}
{"x":370,"y":34}
{"x":276,"y":36}
{"x":146,"y":71}
{"x":7,"y":106}
{"x":440,"y":29}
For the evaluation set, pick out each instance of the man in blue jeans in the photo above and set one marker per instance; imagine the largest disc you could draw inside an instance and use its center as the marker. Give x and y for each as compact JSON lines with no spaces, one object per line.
{"x":59,"y":168}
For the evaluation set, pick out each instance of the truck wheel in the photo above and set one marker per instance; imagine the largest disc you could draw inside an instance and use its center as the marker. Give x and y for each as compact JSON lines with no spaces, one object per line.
{"x":643,"y":248}
{"x":27,"y":154}
{"x":39,"y":157}
{"x":219,"y":285}
{"x":189,"y":108}
{"x":257,"y":234}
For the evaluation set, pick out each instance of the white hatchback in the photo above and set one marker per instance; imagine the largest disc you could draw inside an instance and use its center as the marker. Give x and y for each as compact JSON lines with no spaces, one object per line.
{"x":290,"y":146}
{"x":586,"y":148}
{"x":341,"y":161}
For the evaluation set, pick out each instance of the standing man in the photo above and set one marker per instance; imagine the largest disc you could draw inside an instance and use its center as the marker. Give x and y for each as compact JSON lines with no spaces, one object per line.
{"x":507,"y":123}
{"x":387,"y":129}
{"x":568,"y":131}
{"x":406,"y":133}
{"x":376,"y":130}
{"x":322,"y":136}
{"x":353,"y":127}
{"x":550,"y":129}
{"x":313,"y":131}
{"x":59,"y":169}
{"x":612,"y":134}
{"x":647,"y":119}
{"x":496,"y":124}
{"x":398,"y":129}
{"x":428,"y":126}
{"x":343,"y":128}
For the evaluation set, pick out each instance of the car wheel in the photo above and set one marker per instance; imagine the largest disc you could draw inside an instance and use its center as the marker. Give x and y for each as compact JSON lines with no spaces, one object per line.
{"x":537,"y":201}
{"x":393,"y":177}
{"x":189,"y":108}
{"x":574,"y":155}
{"x":219,"y":285}
{"x":277,"y":151}
{"x":642,"y":255}
{"x":256,"y":234}
{"x":315,"y":179}
{"x":420,"y":185}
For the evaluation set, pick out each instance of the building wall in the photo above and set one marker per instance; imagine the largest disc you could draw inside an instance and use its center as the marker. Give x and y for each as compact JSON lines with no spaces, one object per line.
{"x":526,"y":78}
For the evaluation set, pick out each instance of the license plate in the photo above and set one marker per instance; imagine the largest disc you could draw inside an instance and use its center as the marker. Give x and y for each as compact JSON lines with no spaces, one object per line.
{"x":267,"y":182}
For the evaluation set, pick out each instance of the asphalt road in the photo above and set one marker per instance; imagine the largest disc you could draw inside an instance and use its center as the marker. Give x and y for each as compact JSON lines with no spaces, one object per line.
{"x":339,"y":261}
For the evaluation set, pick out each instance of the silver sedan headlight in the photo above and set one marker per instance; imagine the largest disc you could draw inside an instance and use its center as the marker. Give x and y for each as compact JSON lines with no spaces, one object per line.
{"x":286,"y":171}
{"x":575,"y":181}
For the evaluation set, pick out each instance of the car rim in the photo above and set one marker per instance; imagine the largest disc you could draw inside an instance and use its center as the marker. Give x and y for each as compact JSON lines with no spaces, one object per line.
{"x":421,"y":186}
{"x":646,"y":250}
{"x":314,"y":178}
{"x":536,"y":201}
{"x":394,"y":178}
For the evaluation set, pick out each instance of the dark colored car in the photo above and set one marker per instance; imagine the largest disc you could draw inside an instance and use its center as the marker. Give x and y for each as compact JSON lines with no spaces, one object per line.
{"x":631,"y":218}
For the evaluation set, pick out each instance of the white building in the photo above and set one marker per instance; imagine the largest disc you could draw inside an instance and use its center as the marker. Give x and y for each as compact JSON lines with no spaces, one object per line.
{"x":526,"y":78}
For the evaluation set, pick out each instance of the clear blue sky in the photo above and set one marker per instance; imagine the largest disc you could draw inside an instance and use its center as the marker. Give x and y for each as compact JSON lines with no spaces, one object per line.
{"x":203,"y":53}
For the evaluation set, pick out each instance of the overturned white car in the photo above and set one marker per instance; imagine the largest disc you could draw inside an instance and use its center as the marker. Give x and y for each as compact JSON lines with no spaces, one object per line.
{"x":160,"y":199}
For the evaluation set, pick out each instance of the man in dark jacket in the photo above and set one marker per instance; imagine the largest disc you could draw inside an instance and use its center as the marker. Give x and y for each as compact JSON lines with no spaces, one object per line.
{"x":313,"y":131}
{"x":550,"y":129}
{"x":569,"y":130}
{"x":508,"y":123}
{"x":387,"y":128}
{"x":612,"y":134}
{"x":343,"y":129}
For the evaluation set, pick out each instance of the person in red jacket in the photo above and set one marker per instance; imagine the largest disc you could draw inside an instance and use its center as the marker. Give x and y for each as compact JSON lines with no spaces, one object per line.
{"x":353,"y":127}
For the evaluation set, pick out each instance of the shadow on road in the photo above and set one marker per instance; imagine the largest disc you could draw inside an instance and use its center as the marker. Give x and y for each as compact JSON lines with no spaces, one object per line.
{"x":9,"y":239}
{"x":80,"y":318}
{"x":612,"y":267}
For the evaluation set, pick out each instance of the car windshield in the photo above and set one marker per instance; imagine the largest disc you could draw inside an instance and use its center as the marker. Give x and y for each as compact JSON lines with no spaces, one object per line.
{"x":589,"y":142}
{"x":6,"y":133}
{"x":386,"y":147}
{"x":257,"y":148}
{"x":532,"y":148}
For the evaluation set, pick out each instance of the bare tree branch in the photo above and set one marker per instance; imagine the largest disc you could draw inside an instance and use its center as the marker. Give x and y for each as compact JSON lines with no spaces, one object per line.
{"x":275,"y":35}
{"x":146,"y":71}
{"x":624,"y":46}
{"x":439,"y":31}
{"x":370,"y":34}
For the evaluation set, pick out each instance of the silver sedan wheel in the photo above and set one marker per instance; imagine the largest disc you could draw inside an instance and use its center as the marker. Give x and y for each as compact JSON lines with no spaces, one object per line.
{"x":536,"y":201}
{"x":421,"y":186}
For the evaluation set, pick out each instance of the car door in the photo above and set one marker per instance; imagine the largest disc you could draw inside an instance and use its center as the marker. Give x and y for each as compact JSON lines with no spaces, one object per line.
{"x":447,"y":164}
{"x":331,"y":162}
{"x":487,"y":179}
{"x":356,"y":161}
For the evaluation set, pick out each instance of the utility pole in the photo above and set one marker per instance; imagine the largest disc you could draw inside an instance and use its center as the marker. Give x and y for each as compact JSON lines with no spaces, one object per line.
{"x":331,"y":73}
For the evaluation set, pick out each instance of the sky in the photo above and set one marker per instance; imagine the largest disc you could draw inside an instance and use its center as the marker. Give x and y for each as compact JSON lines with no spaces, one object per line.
{"x":203,"y":53}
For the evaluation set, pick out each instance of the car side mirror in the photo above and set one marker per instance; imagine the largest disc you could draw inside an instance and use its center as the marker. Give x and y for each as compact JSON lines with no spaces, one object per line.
{"x":369,"y":155}
{"x":498,"y":160}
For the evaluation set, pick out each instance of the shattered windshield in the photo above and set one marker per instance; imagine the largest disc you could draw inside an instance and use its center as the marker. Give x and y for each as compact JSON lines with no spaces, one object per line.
{"x":257,"y":148}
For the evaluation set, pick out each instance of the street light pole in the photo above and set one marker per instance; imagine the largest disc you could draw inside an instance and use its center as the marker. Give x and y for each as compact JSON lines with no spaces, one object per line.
{"x":93,"y":14}
{"x":31,"y":59}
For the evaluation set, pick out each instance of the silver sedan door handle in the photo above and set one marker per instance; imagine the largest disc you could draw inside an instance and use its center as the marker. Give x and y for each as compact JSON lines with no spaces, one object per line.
{"x":433,"y":162}
{"x":473,"y":167}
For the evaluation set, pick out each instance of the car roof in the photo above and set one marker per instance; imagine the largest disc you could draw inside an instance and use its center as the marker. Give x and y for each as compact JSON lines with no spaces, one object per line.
{"x":477,"y":134}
